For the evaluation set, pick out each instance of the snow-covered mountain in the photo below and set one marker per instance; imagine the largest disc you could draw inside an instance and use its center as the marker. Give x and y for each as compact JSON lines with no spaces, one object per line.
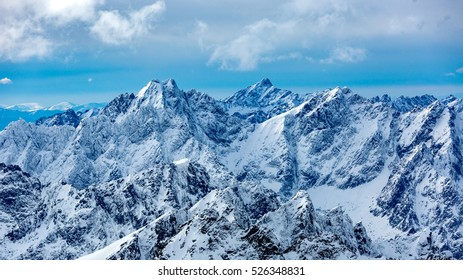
{"x":261,"y":101}
{"x":9,"y":115}
{"x":63,"y":106}
{"x":25,"y":107}
{"x":263,"y":174}
{"x":159,"y":125}
{"x":223,"y":226}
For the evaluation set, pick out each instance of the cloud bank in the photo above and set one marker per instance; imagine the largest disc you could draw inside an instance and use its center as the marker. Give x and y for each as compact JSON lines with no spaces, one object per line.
{"x":315,"y":26}
{"x":234,"y":35}
{"x":249,"y":49}
{"x":29,"y":26}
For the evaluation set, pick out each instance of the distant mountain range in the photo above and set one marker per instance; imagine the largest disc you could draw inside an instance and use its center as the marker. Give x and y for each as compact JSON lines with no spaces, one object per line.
{"x":264,"y":174}
{"x":30,"y":112}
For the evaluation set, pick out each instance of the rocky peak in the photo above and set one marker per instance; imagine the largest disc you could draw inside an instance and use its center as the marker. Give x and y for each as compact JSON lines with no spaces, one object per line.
{"x":118,"y":105}
{"x":69,"y":117}
{"x":261,"y":101}
{"x":165,"y":94}
{"x":406,"y":103}
{"x":265,"y":82}
{"x":384,"y":98}
{"x":252,"y":95}
{"x":337,"y":92}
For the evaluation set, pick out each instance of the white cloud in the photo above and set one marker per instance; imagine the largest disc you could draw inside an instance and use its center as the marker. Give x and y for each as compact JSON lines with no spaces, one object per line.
{"x":24,"y":25}
{"x":63,"y":11}
{"x":317,"y":25}
{"x":454,"y":74}
{"x":234,"y":34}
{"x":113,"y":28}
{"x":5,"y":81}
{"x":201,"y":31}
{"x":29,"y":27}
{"x":365,"y":18}
{"x":67,"y":11}
{"x":241,"y":54}
{"x":22,"y":40}
{"x":345,"y":55}
{"x":245,"y":52}
{"x":144,"y":14}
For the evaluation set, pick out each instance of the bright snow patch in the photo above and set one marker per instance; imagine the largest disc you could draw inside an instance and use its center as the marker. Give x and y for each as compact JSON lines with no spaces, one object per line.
{"x":358,"y":202}
{"x":181,"y":161}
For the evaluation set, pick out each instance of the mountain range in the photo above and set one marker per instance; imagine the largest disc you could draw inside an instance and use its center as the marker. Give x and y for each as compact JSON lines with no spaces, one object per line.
{"x":31,"y":112}
{"x":264,"y":174}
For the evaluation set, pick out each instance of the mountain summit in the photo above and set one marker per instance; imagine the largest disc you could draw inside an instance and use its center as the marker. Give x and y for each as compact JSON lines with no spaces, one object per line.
{"x":259,"y":95}
{"x":261,"y":101}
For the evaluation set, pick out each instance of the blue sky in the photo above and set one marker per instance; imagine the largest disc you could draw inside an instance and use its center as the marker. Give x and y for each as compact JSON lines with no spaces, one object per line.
{"x":92,"y":50}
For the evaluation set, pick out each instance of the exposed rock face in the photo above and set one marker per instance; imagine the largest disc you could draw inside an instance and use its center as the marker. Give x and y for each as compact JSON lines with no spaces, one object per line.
{"x":220,"y":227}
{"x":65,"y":223}
{"x":19,"y":199}
{"x":69,"y":117}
